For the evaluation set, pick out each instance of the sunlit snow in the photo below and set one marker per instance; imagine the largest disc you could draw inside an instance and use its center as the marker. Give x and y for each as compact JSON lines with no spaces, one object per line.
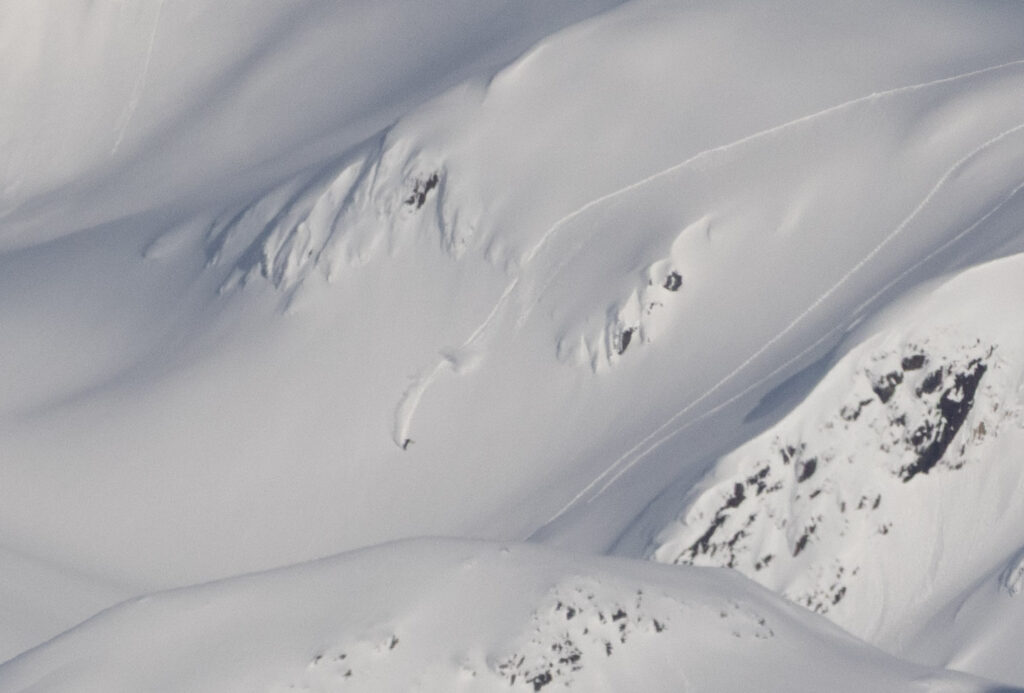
{"x":578,"y":285}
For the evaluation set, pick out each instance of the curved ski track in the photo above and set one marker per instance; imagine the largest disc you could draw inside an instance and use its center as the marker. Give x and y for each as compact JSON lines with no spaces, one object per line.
{"x":407,"y":405}
{"x":652,"y":441}
{"x":140,"y":83}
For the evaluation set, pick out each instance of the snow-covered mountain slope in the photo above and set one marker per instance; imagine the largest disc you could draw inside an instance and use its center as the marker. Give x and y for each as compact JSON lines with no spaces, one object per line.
{"x":39,"y":599}
{"x":112,"y":109}
{"x":472,"y":320}
{"x":461,"y":616}
{"x":279,"y":281}
{"x":979,"y":630}
{"x":894,"y":488}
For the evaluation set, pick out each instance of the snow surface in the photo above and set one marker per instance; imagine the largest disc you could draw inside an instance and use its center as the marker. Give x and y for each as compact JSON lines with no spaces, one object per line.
{"x":280,"y":281}
{"x":463,"y":616}
{"x":891,"y":491}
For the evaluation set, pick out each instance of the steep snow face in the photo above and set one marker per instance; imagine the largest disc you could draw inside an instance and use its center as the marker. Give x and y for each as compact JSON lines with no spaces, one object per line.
{"x":113,"y":109}
{"x":893,"y":488}
{"x":503,"y":309}
{"x":460,"y":616}
{"x":39,"y":599}
{"x":981,"y":629}
{"x":601,"y":277}
{"x":380,"y":273}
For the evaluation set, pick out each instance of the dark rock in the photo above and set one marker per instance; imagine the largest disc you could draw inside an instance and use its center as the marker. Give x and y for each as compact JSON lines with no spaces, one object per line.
{"x":806,"y":470}
{"x":931,"y":383}
{"x":922,"y":433}
{"x":736,"y":498}
{"x":540,"y":680}
{"x":421,"y":189}
{"x":627,"y":337}
{"x":913,"y":363}
{"x":849,"y":414}
{"x":757,"y":480}
{"x":885,"y":387}
{"x":954,"y":406}
{"x":703,"y":543}
{"x":801,"y":544}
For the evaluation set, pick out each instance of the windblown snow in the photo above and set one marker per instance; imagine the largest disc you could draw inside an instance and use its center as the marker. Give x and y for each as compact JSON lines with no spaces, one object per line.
{"x":729,"y":286}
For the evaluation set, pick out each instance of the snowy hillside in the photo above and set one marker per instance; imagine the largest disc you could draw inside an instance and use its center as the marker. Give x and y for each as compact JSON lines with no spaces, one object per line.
{"x":715,"y":283}
{"x":460,"y":616}
{"x":892,"y":488}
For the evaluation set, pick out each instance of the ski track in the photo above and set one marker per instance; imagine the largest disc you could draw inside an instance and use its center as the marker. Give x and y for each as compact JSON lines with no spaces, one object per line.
{"x":652,"y":441}
{"x":140,"y":83}
{"x":406,"y":409}
{"x":411,"y":399}
{"x":727,"y":147}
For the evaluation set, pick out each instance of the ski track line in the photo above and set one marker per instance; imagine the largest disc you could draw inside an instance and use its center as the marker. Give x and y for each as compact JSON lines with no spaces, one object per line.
{"x":140,"y":83}
{"x":410,"y":401}
{"x":732,"y":145}
{"x":634,"y":457}
{"x":406,"y":409}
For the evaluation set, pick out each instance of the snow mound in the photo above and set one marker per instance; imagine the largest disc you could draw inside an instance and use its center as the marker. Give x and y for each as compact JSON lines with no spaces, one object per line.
{"x":463,"y":616}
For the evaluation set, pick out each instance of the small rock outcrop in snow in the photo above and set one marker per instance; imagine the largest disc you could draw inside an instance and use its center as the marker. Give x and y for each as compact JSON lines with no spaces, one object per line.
{"x":634,"y":320}
{"x":338,"y":216}
{"x":810,"y":508}
{"x":582,"y":623}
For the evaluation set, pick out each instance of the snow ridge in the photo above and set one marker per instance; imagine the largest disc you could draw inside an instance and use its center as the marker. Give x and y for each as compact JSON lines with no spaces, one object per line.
{"x":532,"y":288}
{"x":652,"y":441}
{"x":335,"y":219}
{"x":910,"y":424}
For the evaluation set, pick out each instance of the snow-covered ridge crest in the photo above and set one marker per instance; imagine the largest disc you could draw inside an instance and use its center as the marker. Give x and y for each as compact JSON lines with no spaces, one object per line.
{"x":466,"y":616}
{"x":342,"y":215}
{"x":903,"y":449}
